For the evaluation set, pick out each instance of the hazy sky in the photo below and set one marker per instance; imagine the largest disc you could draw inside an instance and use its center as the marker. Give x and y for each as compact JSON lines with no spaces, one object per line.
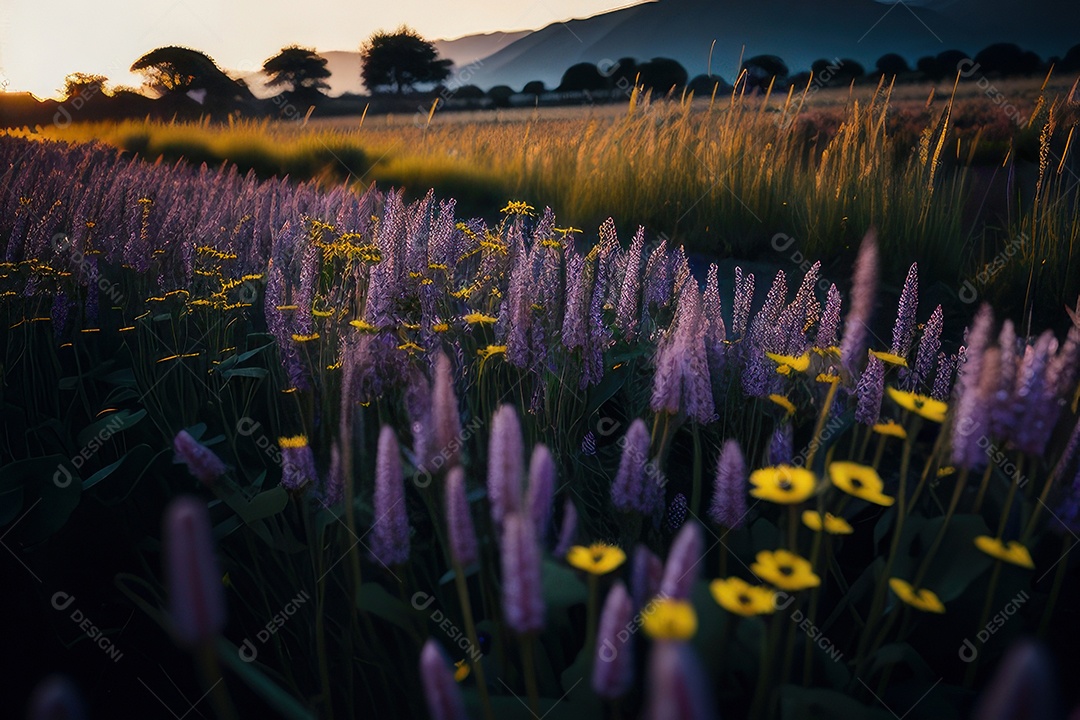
{"x":41,"y":42}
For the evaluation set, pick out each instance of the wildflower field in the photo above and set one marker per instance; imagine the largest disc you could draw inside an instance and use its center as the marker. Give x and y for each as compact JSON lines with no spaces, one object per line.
{"x":308,"y":448}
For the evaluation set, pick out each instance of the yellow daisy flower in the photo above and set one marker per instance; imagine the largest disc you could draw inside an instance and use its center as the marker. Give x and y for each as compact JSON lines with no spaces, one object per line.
{"x":861,"y":481}
{"x":784,"y":484}
{"x":461,"y":670}
{"x":740,"y":597}
{"x":828,"y":378}
{"x":295,"y":441}
{"x":305,"y":338}
{"x":785,"y":570}
{"x":946,"y":471}
{"x":922,"y":599}
{"x":363,"y":326}
{"x":890,"y":428}
{"x":889,"y":358}
{"x":475,"y":318}
{"x":927,"y":407}
{"x":597,"y":559}
{"x":783,"y":402}
{"x":669,"y":619}
{"x":831,"y":524}
{"x":1010,"y":552}
{"x":799,"y":364}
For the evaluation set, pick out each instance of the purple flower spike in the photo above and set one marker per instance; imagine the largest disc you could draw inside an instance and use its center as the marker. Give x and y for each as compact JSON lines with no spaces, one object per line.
{"x":445,"y":414}
{"x":568,"y":529}
{"x":1024,"y":686}
{"x":613,"y":667}
{"x":903,"y":333}
{"x":196,"y":595}
{"x":505,"y":451}
{"x":390,"y":531}
{"x":459,"y":522}
{"x":201,"y":461}
{"x":682,"y":381}
{"x":56,"y":698}
{"x":683,"y":562}
{"x":782,"y":445}
{"x":646,"y":576}
{"x":677,"y":688}
{"x":297,"y":463}
{"x":965,"y":449}
{"x":636,"y":486}
{"x":929,"y":346}
{"x":830,"y":320}
{"x":728,"y":508}
{"x":869,"y":391}
{"x":523,"y":601}
{"x":444,"y":700}
{"x":541,"y":493}
{"x":863,"y":288}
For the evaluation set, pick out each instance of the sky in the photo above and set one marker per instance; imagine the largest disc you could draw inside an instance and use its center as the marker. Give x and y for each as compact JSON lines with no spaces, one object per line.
{"x":41,"y":42}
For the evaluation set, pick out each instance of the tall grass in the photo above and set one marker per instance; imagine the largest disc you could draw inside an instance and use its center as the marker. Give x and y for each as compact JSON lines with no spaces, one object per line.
{"x":719,"y":176}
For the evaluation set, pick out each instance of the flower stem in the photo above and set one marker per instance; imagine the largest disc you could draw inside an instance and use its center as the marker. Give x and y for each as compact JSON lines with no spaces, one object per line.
{"x":529,"y":669}
{"x":474,"y":643}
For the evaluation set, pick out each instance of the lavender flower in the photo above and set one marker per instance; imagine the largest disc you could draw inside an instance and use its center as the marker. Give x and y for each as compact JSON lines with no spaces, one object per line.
{"x":463,"y":547}
{"x":523,"y":601}
{"x":929,"y":346}
{"x":201,"y":461}
{"x":568,"y":529}
{"x":1035,"y":405}
{"x":390,"y":531}
{"x":444,"y":700}
{"x":728,"y":508}
{"x":1022,"y":687}
{"x":646,"y":576}
{"x":830,"y":320}
{"x":445,"y":416}
{"x":635,"y":487}
{"x":613,"y":667}
{"x":683,"y":562}
{"x":1068,"y":511}
{"x":682,"y":380}
{"x":965,"y":449}
{"x":946,"y":365}
{"x":677,"y":687}
{"x":505,"y":470}
{"x":334,"y":485}
{"x":870,"y":391}
{"x":541,"y":492}
{"x":903,"y":333}
{"x":627,"y":316}
{"x":857,"y":322}
{"x":782,"y":445}
{"x":676,"y":513}
{"x":196,"y":595}
{"x":744,"y":295}
{"x":297,"y":463}
{"x":658,"y":280}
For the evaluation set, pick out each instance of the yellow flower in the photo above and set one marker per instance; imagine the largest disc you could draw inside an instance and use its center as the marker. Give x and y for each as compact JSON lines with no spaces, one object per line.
{"x":669,"y":619}
{"x":946,"y":471}
{"x":440,"y":327}
{"x":363,"y":326}
{"x":517,"y":207}
{"x":783,"y":402}
{"x":922,"y":405}
{"x":475,"y":318}
{"x":783,"y":484}
{"x":597,"y":559}
{"x":861,"y":481}
{"x":461,"y":670}
{"x":828,"y":378}
{"x":831,"y":350}
{"x":923,"y":599}
{"x":889,"y":358}
{"x":785,"y":570}
{"x":410,"y":347}
{"x":832,"y":524}
{"x":1011,"y":552}
{"x":293,"y":442}
{"x":783,"y":369}
{"x":740,"y":597}
{"x":799,"y":364}
{"x":305,"y":338}
{"x":892,"y":429}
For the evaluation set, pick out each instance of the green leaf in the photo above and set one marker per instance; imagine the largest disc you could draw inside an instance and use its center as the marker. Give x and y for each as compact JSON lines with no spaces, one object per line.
{"x":374,"y":598}
{"x":52,"y":490}
{"x":232,"y":360}
{"x":281,"y":701}
{"x":140,"y":455}
{"x":252,"y":372}
{"x":562,"y":587}
{"x":93,"y":435}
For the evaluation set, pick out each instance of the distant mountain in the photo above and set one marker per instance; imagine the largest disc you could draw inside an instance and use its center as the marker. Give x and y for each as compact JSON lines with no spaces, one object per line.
{"x":798,"y":31}
{"x":344,"y":65}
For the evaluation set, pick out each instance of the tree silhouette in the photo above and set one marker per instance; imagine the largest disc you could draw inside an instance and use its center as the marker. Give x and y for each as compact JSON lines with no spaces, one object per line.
{"x":892,"y":64}
{"x":761,"y":69}
{"x":1071,"y":61}
{"x":177,"y":70}
{"x":83,"y":85}
{"x":1007,"y":59}
{"x":500,"y":95}
{"x":662,"y":74}
{"x":582,"y":76}
{"x":400,"y":60}
{"x":703,"y":85}
{"x":534,"y":87}
{"x":302,"y":70}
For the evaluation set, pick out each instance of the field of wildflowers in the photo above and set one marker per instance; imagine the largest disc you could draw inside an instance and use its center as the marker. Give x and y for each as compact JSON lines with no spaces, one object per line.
{"x":376,"y":460}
